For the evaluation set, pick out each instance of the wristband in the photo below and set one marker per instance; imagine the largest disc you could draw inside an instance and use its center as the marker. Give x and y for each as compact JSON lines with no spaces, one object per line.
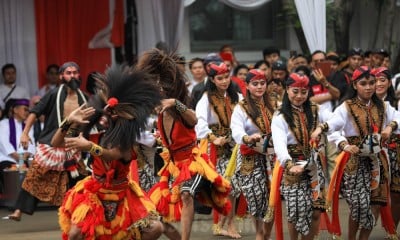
{"x":343,"y":145}
{"x":324,"y":127}
{"x":65,"y":125}
{"x":393,"y":125}
{"x":211,"y":137}
{"x":246,"y":139}
{"x":180,"y":107}
{"x":96,"y":150}
{"x":289,"y":164}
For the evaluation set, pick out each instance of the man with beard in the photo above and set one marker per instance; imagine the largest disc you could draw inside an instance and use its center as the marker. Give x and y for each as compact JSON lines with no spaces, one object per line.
{"x":47,"y":179}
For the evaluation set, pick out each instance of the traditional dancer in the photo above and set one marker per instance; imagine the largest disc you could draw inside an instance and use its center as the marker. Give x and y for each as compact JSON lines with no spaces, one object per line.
{"x":214,"y":111}
{"x":187,"y":172}
{"x":361,"y":173}
{"x":251,"y":124}
{"x":303,"y":179}
{"x":385,"y":91}
{"x":47,"y":179}
{"x":110,"y":204}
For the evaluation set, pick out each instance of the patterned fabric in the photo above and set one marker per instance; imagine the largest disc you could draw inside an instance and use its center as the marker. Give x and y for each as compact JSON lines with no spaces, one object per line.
{"x":146,"y":177}
{"x":394,"y":157}
{"x":254,"y":183}
{"x":222,"y":163}
{"x":37,"y":181}
{"x":303,"y":193}
{"x":299,"y":205}
{"x":356,"y":190}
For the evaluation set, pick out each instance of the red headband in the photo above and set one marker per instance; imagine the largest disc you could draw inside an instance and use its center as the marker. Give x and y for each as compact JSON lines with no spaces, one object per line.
{"x":226,"y":56}
{"x":217,"y":69}
{"x":361,"y":72}
{"x":297,"y":80}
{"x":255,"y":74}
{"x":381,"y":71}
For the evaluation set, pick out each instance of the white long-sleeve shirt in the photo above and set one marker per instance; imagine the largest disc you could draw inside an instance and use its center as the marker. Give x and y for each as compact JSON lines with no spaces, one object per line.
{"x":206,"y":116}
{"x":343,"y":121}
{"x":282,"y":136}
{"x":242,"y":124}
{"x":6,"y":147}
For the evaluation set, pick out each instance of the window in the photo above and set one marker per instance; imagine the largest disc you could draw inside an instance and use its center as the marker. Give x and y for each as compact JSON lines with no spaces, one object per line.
{"x":213,"y":24}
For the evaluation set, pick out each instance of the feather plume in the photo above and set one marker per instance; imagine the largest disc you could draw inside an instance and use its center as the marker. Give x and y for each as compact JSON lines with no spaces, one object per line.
{"x":137,"y":97}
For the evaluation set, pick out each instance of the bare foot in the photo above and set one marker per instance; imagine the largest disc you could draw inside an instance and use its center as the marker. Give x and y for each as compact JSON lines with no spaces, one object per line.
{"x":232,"y":233}
{"x":218,"y":231}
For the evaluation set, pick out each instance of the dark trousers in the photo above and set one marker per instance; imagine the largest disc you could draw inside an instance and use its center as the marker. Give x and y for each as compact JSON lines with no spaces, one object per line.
{"x":26,"y":202}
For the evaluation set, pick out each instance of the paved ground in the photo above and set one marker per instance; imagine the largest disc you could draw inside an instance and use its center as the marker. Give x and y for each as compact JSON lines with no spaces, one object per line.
{"x":43,"y":225}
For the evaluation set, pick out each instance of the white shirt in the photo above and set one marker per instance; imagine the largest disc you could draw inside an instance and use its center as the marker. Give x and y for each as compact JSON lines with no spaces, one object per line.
{"x":242,"y":124}
{"x":343,"y":121}
{"x":6,"y":147}
{"x":19,"y":92}
{"x":282,"y":136}
{"x":206,"y":116}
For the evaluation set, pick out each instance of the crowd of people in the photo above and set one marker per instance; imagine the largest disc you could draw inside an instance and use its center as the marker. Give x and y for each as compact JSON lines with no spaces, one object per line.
{"x":233,"y":139}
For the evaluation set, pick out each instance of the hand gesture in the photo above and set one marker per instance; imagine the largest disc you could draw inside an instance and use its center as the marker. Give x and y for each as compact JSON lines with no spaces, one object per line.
{"x":165,"y":104}
{"x":81,"y":114}
{"x":256,"y":137}
{"x":319,"y":76}
{"x":220,"y":141}
{"x":385,"y":134}
{"x":77,"y":143}
{"x":297,"y":169}
{"x":315,"y":136}
{"x":25,"y":140}
{"x":352,"y":149}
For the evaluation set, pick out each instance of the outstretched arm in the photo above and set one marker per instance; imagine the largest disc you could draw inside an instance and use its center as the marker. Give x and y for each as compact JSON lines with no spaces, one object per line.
{"x":70,"y":124}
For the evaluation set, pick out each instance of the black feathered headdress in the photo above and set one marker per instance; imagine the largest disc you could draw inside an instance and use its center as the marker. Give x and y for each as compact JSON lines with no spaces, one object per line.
{"x":127,"y":99}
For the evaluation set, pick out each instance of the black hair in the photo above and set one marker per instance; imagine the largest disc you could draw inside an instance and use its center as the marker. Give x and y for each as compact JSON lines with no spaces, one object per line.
{"x":391,"y":96}
{"x":316,"y":52}
{"x":270,"y":50}
{"x":253,"y":109}
{"x":287,"y":111}
{"x":261,"y":62}
{"x":7,"y":66}
{"x":52,"y":66}
{"x":231,"y":91}
{"x":352,"y":93}
{"x":238,"y":67}
{"x":193,"y":60}
{"x":165,"y":71}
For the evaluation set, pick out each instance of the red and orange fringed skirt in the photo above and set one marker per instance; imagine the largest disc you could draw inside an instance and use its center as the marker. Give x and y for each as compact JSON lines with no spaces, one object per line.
{"x":167,"y":196}
{"x":106,"y":212}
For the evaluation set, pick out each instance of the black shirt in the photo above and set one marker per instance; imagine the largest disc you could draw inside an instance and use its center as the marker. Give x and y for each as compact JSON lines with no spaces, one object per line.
{"x":47,"y":106}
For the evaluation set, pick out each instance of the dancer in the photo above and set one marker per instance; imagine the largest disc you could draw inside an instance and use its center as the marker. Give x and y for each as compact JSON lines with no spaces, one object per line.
{"x":251,"y":123}
{"x":110,"y":204}
{"x":303,"y":179}
{"x":47,"y":179}
{"x":186,"y":166}
{"x":362,"y":173}
{"x":214,"y":112}
{"x":385,"y":91}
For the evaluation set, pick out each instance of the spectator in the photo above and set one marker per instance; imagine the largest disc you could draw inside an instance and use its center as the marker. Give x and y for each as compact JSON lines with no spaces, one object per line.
{"x":11,"y":130}
{"x":52,"y":80}
{"x":271,"y":55}
{"x":198,"y":90}
{"x":198,"y":72}
{"x":9,"y":89}
{"x":377,"y":57}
